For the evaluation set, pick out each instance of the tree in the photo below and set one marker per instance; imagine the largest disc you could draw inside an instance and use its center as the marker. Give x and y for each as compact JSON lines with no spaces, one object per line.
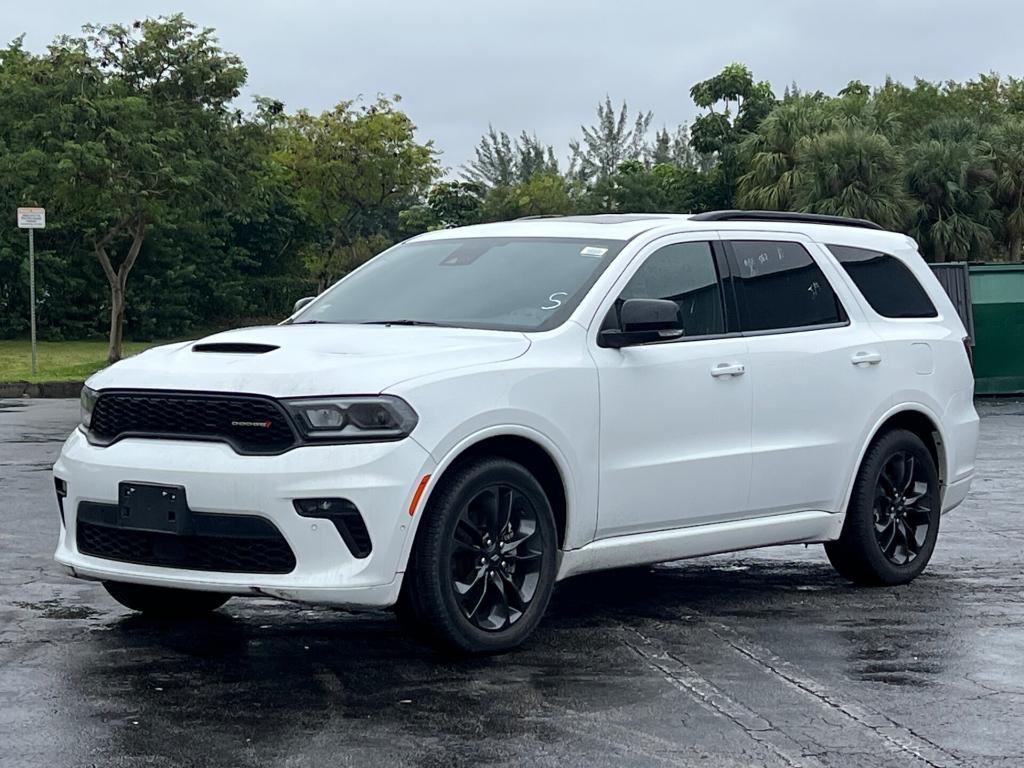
{"x":533,"y":157}
{"x":663,"y":188}
{"x":457,"y":203}
{"x":741,"y":105}
{"x":856,"y":108}
{"x":328,"y":265}
{"x":495,"y":163}
{"x":417,"y":219}
{"x":633,"y":188}
{"x":949,"y":179}
{"x":355,"y":168}
{"x":852,"y":172}
{"x":259,"y":269}
{"x":674,"y":149}
{"x":449,"y":204}
{"x":501,"y":162}
{"x":1006,"y":150}
{"x":140,"y":138}
{"x":661,"y":150}
{"x":25,"y":86}
{"x":735,"y":92}
{"x":544,"y":194}
{"x":910,"y":110}
{"x":770,"y":154}
{"x":612,"y":140}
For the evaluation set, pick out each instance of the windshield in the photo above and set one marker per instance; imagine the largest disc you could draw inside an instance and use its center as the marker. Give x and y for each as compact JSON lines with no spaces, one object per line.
{"x":513,"y":283}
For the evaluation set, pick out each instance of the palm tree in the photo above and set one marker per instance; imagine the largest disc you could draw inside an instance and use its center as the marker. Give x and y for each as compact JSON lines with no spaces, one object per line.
{"x":856,"y":108}
{"x":771,"y":153}
{"x":1007,"y":153}
{"x":852,"y":172}
{"x":949,"y":178}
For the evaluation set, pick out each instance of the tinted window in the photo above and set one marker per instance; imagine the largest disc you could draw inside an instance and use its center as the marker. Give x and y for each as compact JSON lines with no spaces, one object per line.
{"x":886,"y":282}
{"x":779,"y":286}
{"x":684,"y":273}
{"x":513,"y":283}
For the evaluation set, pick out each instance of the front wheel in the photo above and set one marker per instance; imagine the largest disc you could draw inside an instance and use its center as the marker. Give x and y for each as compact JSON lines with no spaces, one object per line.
{"x":483,"y":567}
{"x":163,"y":601}
{"x":892,"y":520}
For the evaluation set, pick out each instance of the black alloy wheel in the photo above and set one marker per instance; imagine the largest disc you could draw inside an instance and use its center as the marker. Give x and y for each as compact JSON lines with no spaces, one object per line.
{"x":892,"y":519}
{"x":483,"y":566}
{"x":903,"y":508}
{"x":496,"y":557}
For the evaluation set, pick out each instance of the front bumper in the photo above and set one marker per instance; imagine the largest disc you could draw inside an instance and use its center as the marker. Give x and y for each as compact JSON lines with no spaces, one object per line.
{"x":379,"y":478}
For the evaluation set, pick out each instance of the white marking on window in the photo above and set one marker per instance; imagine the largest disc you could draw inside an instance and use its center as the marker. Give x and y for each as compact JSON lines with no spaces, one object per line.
{"x":555,"y":303}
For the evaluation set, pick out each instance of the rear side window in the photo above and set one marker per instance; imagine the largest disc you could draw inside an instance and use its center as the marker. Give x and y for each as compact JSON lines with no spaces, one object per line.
{"x":779,"y":286}
{"x":886,"y":282}
{"x":684,"y":273}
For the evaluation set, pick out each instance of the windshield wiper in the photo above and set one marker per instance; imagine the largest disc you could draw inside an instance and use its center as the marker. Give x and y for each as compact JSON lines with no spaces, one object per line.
{"x":399,"y":322}
{"x":313,"y":322}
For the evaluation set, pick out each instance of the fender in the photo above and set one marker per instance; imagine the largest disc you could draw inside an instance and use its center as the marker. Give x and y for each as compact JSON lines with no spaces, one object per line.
{"x":910,"y":406}
{"x":497,"y":430}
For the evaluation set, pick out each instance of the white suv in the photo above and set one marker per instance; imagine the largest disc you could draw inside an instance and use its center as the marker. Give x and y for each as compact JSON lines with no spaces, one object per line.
{"x":477,"y":413}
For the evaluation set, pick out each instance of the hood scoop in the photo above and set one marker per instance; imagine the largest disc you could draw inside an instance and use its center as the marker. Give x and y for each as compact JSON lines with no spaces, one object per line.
{"x":234,"y":348}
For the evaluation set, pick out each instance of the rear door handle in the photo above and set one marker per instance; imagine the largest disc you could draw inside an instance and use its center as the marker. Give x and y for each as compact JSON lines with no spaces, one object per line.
{"x":728,"y":369}
{"x":866,"y":358}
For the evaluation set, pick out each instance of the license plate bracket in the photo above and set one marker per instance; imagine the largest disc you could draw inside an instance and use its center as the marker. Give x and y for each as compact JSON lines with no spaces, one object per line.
{"x":159,"y":508}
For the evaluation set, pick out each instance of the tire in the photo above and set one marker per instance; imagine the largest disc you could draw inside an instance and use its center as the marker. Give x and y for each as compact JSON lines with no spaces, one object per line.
{"x":163,"y":601}
{"x":892,"y":521}
{"x":483,"y":567}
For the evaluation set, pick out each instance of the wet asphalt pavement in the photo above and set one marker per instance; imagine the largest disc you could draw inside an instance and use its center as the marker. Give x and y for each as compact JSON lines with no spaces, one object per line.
{"x":763,"y":658}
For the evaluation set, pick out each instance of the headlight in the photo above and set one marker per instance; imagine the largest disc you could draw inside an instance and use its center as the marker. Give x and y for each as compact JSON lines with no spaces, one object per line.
{"x":352,"y":419}
{"x":88,"y":401}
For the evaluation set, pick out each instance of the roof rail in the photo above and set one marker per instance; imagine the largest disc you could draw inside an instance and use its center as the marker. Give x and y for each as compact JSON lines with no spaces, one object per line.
{"x":801,"y":218}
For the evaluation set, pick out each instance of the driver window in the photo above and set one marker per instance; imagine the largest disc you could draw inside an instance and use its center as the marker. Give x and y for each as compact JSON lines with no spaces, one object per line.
{"x":684,"y":273}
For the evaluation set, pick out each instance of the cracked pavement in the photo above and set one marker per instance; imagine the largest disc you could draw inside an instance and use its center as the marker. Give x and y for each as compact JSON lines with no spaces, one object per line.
{"x":763,"y":658}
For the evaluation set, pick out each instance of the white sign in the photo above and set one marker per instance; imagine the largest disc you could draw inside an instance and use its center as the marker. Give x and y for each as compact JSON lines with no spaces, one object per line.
{"x":31,"y":218}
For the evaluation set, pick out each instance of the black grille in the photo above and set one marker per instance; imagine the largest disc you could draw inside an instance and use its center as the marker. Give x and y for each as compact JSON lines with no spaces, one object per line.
{"x":250,"y":424}
{"x":265,"y":552}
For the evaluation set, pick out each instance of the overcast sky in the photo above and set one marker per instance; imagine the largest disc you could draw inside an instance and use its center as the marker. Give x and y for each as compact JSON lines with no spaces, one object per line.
{"x":544,"y":64}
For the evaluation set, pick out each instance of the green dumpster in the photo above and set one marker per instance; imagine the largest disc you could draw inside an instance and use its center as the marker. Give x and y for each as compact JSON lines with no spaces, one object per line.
{"x":997,"y":292}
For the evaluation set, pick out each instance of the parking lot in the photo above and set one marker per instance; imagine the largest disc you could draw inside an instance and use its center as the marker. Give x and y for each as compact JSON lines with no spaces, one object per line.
{"x":765,"y":658}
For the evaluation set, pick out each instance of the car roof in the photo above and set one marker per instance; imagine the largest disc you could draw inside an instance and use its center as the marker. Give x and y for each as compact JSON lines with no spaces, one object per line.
{"x":621,"y":227}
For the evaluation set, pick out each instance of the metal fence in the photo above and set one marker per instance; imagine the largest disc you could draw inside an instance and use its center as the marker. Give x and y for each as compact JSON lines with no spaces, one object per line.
{"x":956,"y":279}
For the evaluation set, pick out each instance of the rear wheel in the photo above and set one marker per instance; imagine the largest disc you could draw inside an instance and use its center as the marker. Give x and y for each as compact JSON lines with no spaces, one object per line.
{"x":892,"y":521}
{"x":483,"y":568}
{"x":164,"y":601}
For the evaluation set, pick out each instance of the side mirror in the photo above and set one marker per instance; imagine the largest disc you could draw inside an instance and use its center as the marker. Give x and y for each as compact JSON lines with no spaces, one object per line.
{"x":301,"y":303}
{"x":644,"y":321}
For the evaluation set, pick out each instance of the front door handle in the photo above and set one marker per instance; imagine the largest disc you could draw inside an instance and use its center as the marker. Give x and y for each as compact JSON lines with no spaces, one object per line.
{"x":728,"y":369}
{"x":866,"y":358}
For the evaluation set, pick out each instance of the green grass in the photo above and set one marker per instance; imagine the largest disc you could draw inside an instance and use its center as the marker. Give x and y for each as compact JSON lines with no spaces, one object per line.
{"x":58,"y":360}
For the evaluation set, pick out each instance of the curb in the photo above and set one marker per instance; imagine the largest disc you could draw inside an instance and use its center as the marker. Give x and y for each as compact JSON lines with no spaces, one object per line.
{"x":54,"y":389}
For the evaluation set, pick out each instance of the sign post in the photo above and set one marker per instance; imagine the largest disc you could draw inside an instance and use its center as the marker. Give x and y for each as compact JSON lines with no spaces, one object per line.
{"x":32,"y":219}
